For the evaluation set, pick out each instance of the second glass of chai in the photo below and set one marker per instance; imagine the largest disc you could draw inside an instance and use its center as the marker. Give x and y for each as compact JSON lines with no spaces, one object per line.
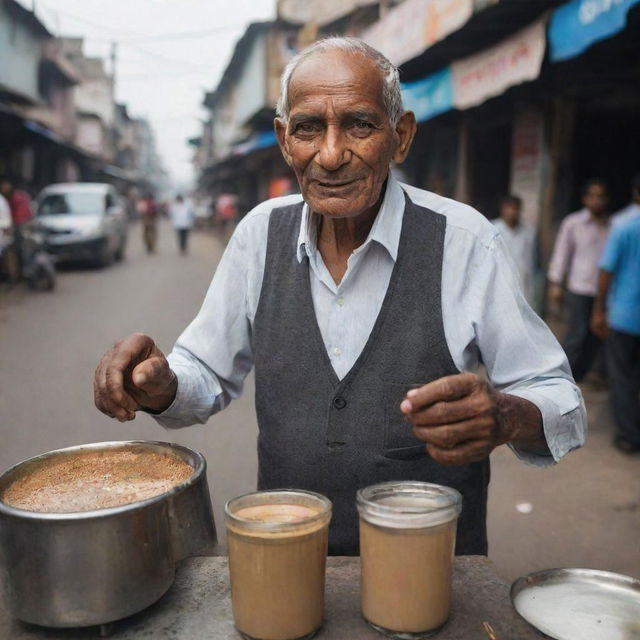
{"x":277,"y":555}
{"x":407,"y":542}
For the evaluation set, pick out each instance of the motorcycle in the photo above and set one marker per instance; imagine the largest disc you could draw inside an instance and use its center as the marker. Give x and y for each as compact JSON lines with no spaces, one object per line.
{"x":28,"y":250}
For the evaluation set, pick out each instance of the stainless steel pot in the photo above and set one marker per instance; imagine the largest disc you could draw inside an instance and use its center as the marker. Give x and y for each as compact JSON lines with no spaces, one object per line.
{"x":94,"y":567}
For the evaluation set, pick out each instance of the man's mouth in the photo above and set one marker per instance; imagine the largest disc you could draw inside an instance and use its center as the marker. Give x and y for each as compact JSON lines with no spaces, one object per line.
{"x":334,"y":184}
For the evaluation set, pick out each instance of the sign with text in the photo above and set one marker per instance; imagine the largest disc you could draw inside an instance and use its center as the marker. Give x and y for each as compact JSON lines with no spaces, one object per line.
{"x":430,"y":96}
{"x":415,"y":25}
{"x":577,"y":25}
{"x":491,"y":72}
{"x":321,"y":13}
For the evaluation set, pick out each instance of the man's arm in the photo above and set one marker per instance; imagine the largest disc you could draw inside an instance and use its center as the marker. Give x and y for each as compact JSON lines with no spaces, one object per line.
{"x":209,"y":362}
{"x":608,"y":265}
{"x":559,"y":263}
{"x":599,"y":315}
{"x":530,"y":401}
{"x":462,"y":418}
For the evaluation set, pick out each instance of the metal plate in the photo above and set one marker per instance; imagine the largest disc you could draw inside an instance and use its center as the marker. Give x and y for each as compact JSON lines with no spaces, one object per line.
{"x":579,"y":604}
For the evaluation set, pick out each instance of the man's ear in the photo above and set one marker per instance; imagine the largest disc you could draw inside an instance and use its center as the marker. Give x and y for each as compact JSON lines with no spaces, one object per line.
{"x":406,"y":130}
{"x":280,"y":127}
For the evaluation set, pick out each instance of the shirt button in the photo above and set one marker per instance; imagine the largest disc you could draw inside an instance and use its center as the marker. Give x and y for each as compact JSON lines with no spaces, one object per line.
{"x":339,"y":402}
{"x":340,"y":300}
{"x":337,"y":351}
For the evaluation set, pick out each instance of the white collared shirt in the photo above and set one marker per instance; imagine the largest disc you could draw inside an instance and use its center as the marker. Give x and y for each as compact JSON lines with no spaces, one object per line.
{"x":486,"y":318}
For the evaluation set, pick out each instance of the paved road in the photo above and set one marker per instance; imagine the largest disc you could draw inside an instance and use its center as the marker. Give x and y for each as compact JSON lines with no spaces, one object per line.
{"x":585,"y":512}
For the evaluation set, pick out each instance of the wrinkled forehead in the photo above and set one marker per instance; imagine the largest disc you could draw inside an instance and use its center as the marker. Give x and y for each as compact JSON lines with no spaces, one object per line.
{"x":338,"y":74}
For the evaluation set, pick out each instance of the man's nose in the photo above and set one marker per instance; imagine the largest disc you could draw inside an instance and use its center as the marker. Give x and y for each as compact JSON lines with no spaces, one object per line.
{"x":333,"y":152}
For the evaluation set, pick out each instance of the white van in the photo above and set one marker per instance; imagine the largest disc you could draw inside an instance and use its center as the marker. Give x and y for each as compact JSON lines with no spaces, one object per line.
{"x":82,"y":221}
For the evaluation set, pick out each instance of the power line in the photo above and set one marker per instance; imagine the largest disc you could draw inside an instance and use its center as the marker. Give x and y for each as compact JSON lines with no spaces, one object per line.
{"x":136,"y":37}
{"x":187,"y":35}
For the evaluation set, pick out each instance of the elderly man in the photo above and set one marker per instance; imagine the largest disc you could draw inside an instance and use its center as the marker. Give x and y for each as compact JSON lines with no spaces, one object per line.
{"x":364,"y":305}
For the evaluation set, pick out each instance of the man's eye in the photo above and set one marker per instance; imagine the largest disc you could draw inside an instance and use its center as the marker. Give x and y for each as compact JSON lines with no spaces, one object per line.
{"x":306,"y":127}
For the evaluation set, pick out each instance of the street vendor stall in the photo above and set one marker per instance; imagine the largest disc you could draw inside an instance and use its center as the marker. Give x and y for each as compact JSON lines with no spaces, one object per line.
{"x":198,"y":605}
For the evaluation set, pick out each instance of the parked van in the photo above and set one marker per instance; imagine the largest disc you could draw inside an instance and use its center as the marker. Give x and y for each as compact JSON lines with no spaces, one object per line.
{"x":82,"y":221}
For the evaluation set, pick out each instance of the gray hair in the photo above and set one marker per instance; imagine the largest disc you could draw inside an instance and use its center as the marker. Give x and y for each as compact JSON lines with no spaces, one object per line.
{"x":391,"y":96}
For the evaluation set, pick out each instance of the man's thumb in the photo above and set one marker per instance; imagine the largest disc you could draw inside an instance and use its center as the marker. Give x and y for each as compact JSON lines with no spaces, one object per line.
{"x":151,"y":376}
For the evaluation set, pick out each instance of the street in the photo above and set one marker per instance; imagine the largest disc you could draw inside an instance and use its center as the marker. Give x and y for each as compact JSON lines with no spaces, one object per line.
{"x":583,"y":513}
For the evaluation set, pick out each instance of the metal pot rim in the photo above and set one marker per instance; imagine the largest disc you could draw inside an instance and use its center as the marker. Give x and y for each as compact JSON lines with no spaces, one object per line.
{"x":194,"y":458}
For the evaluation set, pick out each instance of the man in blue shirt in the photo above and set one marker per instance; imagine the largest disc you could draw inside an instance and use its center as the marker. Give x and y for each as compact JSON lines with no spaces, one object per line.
{"x":616,"y":315}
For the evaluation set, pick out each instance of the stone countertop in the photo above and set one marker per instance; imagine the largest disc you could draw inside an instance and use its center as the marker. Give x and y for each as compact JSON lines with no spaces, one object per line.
{"x":198,"y":606}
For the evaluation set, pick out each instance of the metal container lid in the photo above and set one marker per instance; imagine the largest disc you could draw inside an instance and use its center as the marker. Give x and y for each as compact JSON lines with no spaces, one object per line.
{"x":584,"y":604}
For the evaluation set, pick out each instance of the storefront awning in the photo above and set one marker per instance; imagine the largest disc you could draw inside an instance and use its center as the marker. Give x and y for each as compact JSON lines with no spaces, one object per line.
{"x":262,"y":140}
{"x":577,"y":25}
{"x":472,"y":80}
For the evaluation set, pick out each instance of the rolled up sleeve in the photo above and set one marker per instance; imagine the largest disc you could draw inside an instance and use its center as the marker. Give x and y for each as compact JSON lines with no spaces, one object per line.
{"x":213,"y":355}
{"x":523,"y":358}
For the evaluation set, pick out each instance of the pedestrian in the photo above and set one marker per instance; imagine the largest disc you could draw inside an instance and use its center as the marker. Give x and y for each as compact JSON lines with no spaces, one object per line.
{"x":182,"y":217}
{"x":616,"y":317}
{"x":345,"y":297}
{"x":8,"y":267}
{"x":5,"y":214}
{"x":226,"y":214}
{"x":574,"y":267}
{"x":632,"y":210}
{"x":21,"y":214}
{"x":148,"y":212}
{"x":520,"y":239}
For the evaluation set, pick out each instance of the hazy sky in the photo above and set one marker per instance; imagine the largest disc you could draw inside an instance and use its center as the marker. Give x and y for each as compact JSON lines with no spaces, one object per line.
{"x":169,"y":53}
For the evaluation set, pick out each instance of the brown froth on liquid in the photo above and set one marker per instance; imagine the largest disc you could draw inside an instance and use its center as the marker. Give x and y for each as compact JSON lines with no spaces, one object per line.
{"x":95,"y":480}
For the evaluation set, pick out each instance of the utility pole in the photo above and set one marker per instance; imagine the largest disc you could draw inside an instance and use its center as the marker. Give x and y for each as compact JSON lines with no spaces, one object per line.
{"x":114,"y":59}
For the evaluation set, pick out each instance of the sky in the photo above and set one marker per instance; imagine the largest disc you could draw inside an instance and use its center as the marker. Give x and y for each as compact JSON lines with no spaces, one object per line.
{"x":169,"y":53}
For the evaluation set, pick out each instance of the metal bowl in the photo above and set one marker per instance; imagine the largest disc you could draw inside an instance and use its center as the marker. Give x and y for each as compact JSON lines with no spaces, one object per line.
{"x":94,"y":567}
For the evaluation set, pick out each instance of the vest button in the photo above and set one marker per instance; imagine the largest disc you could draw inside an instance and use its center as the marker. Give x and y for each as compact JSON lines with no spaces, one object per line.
{"x":339,"y":402}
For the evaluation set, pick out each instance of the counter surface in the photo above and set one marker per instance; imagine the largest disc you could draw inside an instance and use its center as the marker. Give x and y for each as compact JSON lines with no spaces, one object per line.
{"x":198,"y":606}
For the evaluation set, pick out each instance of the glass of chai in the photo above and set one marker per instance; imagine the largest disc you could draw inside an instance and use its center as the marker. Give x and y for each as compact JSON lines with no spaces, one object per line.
{"x":407,"y":541}
{"x":277,"y":555}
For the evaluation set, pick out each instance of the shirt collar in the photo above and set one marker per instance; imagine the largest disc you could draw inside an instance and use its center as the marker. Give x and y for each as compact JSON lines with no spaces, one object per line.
{"x":385,"y":230}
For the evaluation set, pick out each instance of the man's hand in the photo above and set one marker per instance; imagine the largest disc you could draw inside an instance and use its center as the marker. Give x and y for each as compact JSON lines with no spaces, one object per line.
{"x":556,"y":294}
{"x":134,"y":375}
{"x":599,"y":323}
{"x":462,"y":418}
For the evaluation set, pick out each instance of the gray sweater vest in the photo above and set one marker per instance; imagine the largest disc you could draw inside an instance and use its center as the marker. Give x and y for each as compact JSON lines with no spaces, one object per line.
{"x":333,"y":436}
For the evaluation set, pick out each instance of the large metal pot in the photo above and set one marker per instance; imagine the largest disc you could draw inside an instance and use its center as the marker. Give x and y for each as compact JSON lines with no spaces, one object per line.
{"x":94,"y":567}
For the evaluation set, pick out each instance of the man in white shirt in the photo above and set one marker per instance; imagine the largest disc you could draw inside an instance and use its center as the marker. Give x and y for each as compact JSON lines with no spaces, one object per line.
{"x":7,"y":259}
{"x":364,"y":306}
{"x":182,"y":216}
{"x":520,"y":239}
{"x":5,"y":215}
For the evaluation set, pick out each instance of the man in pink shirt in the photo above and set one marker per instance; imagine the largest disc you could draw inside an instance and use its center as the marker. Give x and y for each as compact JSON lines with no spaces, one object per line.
{"x":19,"y":202}
{"x":574,"y":266}
{"x":20,"y":206}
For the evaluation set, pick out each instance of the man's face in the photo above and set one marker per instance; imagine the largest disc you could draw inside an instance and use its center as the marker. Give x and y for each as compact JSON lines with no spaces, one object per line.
{"x":510,"y":213}
{"x":595,"y":199}
{"x":5,"y":188}
{"x":338,"y":138}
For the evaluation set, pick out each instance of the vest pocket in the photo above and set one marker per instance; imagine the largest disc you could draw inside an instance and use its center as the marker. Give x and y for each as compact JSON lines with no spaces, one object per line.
{"x":400,"y":443}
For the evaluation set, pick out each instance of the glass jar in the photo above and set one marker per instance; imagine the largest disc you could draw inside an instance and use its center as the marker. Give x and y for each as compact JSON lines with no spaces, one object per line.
{"x":277,"y":555}
{"x":407,"y":542}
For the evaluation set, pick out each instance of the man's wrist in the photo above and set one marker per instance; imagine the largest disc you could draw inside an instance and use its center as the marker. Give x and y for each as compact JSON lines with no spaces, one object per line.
{"x":522,"y":423}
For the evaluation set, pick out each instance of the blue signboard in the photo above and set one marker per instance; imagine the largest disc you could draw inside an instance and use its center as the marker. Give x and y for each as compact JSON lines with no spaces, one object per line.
{"x":430,"y":96}
{"x":578,"y":24}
